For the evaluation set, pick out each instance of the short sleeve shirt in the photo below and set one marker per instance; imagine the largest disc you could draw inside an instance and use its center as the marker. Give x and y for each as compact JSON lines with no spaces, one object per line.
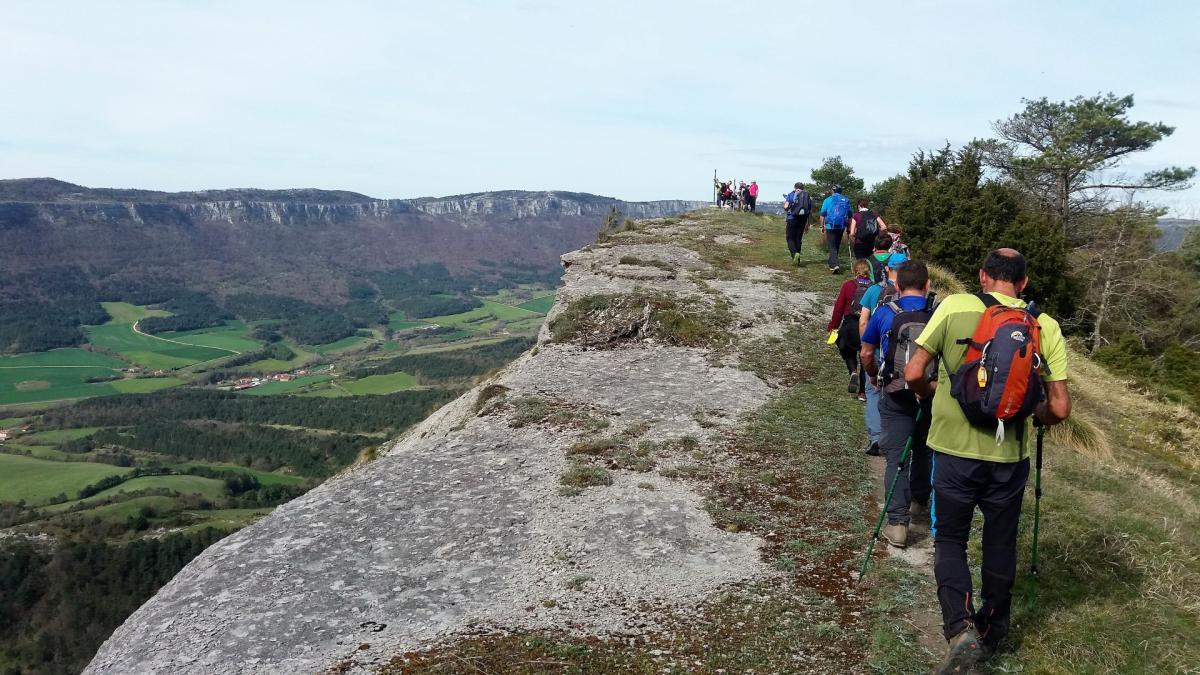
{"x":871,"y":297}
{"x":881,"y":320}
{"x":950,"y":432}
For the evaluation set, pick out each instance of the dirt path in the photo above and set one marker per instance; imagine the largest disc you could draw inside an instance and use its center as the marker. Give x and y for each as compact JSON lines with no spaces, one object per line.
{"x":926,"y":619}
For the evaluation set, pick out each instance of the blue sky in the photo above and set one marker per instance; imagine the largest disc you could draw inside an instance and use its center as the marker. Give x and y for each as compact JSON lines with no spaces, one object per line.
{"x":638,"y":100}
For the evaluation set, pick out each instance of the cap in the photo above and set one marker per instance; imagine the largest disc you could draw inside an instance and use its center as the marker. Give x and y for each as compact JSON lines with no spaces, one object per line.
{"x":896,"y":260}
{"x":837,"y":188}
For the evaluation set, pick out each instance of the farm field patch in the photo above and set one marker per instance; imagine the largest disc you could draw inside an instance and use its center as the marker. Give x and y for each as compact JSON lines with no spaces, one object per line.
{"x":342,"y":345}
{"x":57,"y":436}
{"x":380,"y":384}
{"x":145,"y":385}
{"x":39,"y":480}
{"x":35,"y":384}
{"x":541,"y":305}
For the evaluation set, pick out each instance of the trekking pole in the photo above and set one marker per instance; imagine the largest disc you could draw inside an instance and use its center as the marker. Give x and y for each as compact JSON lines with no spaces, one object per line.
{"x":1037,"y":513}
{"x":888,"y":499}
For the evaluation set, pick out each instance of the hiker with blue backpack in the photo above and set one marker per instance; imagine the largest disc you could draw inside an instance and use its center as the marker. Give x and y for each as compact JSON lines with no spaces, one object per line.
{"x":1005,"y":363}
{"x":888,"y":344}
{"x":835,"y":216}
{"x":797,"y":206}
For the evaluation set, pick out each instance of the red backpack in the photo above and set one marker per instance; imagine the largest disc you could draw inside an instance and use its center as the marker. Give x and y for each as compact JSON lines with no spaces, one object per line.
{"x":1000,"y":379}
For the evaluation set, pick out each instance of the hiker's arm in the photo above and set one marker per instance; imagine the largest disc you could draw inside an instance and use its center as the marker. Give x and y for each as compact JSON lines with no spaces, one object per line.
{"x":882,"y":225}
{"x":867,"y":355}
{"x":1057,"y":406}
{"x":864,"y":317}
{"x":914,"y":374}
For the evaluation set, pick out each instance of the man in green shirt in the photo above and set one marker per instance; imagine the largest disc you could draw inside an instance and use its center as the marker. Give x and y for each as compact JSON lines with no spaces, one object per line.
{"x":972,"y":469}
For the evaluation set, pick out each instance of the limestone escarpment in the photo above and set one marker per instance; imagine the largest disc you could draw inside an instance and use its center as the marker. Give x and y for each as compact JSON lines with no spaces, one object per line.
{"x":466,"y":524}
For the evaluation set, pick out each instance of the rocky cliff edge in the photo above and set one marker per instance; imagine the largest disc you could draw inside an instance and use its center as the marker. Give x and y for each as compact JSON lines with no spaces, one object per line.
{"x":570,"y":494}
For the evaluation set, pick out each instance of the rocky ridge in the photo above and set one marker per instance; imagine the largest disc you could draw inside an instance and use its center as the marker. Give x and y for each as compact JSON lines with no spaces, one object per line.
{"x":554,"y":496}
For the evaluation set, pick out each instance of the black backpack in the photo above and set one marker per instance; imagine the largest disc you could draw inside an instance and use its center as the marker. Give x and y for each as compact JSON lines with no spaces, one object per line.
{"x":863,"y":285}
{"x":801,"y":205}
{"x":868,"y":228}
{"x":878,"y":268}
{"x":902,"y":345}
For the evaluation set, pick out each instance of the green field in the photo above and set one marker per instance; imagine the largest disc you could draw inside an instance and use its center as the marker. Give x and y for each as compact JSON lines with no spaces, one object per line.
{"x":209,"y":487}
{"x":51,"y":383}
{"x":380,"y":384}
{"x":286,"y":387}
{"x":397,"y":320}
{"x":10,"y":422}
{"x":130,"y":508}
{"x":341,"y":345}
{"x":540,"y":305}
{"x":57,"y":436}
{"x":145,"y":385}
{"x":150,"y":351}
{"x":38,"y":480}
{"x":231,"y":336}
{"x":62,"y":358}
{"x":123,"y":312}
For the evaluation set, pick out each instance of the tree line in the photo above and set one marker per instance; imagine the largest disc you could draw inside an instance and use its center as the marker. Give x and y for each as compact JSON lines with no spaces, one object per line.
{"x":460,"y":363}
{"x":390,"y":413}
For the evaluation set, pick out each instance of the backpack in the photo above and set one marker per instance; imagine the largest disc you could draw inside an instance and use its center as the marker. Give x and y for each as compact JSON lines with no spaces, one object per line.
{"x":800,"y":203}
{"x":859,"y":291}
{"x":879,"y":268}
{"x":868,"y":228}
{"x":1000,"y":379}
{"x":839,"y":212}
{"x":902,"y":344}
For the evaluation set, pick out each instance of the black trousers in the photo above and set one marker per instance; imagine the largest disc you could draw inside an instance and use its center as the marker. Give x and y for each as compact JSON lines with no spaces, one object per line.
{"x":863,"y":251}
{"x":834,"y":239}
{"x":897,"y":422}
{"x":795,"y":233}
{"x":753,"y":202}
{"x":959,"y":485}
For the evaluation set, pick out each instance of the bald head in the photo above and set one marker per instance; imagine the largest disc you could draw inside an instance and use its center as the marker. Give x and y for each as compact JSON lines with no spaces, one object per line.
{"x":1006,"y":265}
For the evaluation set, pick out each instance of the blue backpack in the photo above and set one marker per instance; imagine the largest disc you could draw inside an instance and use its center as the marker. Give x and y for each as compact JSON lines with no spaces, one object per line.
{"x":839,"y":213}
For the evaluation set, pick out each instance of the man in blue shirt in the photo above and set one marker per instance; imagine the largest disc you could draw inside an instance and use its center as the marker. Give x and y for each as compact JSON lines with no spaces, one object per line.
{"x":870,"y":300}
{"x":898,"y":409}
{"x":835,"y":216}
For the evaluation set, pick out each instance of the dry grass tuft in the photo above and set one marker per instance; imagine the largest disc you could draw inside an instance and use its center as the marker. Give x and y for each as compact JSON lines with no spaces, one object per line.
{"x":1082,"y":435}
{"x":943,"y":282}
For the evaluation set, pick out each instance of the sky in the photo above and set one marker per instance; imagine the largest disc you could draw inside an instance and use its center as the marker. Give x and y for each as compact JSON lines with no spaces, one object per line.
{"x":636,"y":100}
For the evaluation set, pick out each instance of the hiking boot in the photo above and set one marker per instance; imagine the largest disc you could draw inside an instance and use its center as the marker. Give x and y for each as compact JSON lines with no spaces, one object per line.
{"x":963,"y":653}
{"x":853,"y":386}
{"x":872,"y":449}
{"x":916,"y":508}
{"x":896,"y":534}
{"x":835,"y":269}
{"x":796,"y":258}
{"x":862,"y":398}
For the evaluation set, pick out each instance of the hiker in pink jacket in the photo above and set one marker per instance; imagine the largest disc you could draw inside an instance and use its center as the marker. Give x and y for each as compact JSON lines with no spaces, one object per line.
{"x":753,"y":194}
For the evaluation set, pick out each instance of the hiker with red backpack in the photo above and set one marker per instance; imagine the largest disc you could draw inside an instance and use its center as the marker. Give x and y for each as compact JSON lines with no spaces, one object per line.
{"x":845,"y":321}
{"x":865,"y":225}
{"x":835,"y":216}
{"x":888,"y":344}
{"x":1007,"y":363}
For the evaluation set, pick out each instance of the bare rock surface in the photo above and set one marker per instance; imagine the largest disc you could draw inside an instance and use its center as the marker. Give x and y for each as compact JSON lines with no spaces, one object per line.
{"x":462,"y":524}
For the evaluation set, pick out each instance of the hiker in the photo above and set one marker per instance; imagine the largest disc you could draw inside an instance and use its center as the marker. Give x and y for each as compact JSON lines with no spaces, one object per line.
{"x":880,"y":256}
{"x":753,"y":190}
{"x":744,"y":197}
{"x":880,"y":293}
{"x":865,"y":225}
{"x":898,"y":246}
{"x":845,"y":321}
{"x":835,"y":214}
{"x":887,"y":344}
{"x":985,"y":462}
{"x":726,"y":195}
{"x":797,"y":205}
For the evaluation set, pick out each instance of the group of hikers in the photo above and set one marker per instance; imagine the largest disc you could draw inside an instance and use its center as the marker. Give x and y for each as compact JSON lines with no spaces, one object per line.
{"x":950,"y":390}
{"x":737,"y":194}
